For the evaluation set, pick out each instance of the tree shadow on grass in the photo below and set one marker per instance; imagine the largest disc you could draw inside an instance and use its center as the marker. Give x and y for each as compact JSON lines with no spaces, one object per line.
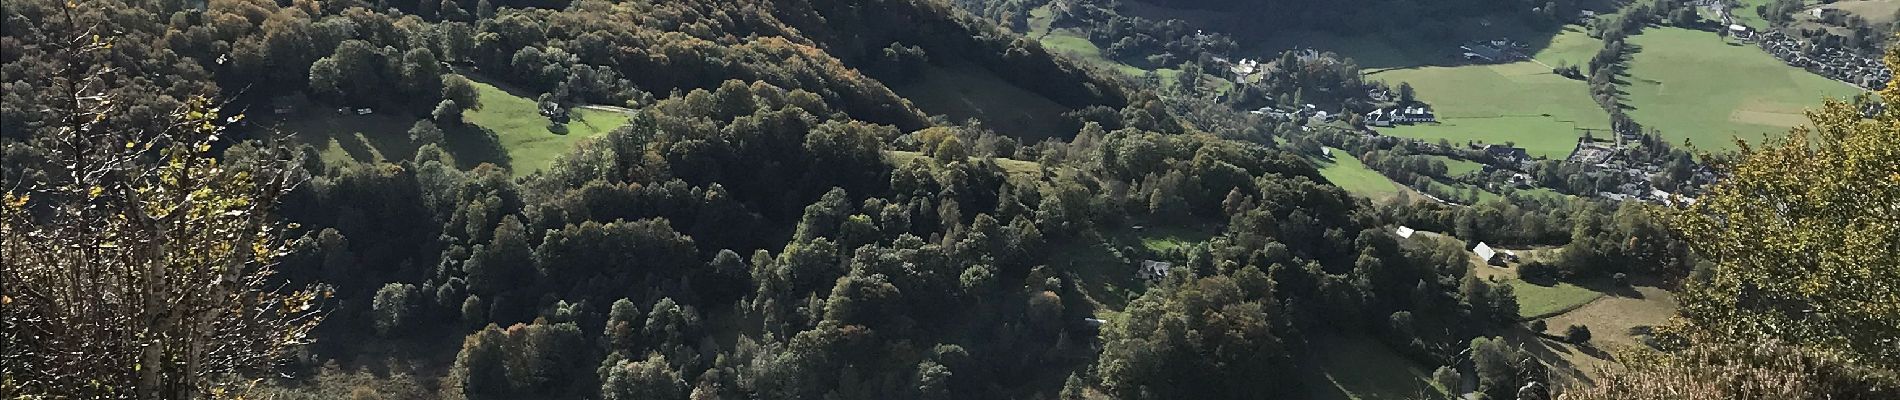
{"x":1607,"y":286}
{"x":473,"y":145}
{"x":1592,"y":350}
{"x":354,"y":145}
{"x":1552,"y":353}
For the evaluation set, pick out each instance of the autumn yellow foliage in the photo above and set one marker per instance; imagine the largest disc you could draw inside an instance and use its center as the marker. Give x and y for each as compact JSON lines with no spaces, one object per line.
{"x":1804,"y":237}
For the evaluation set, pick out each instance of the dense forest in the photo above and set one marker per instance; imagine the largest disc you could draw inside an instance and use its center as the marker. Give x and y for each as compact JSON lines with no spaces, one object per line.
{"x":774,"y":221}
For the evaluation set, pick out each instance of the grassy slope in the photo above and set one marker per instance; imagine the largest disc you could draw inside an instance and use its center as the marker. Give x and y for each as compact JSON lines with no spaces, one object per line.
{"x":1015,"y":168}
{"x":964,"y":92}
{"x":1673,"y":90}
{"x":1356,"y":366}
{"x":1350,"y":174}
{"x":1609,"y":319}
{"x":522,"y":132}
{"x":1107,"y":280}
{"x":526,"y":135}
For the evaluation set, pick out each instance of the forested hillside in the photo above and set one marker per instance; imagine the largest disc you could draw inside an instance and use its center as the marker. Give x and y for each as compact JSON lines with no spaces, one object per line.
{"x":772,"y":219}
{"x":749,"y":232}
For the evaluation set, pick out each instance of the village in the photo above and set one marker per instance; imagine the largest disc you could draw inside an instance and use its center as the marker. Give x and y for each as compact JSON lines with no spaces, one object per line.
{"x":1832,"y":62}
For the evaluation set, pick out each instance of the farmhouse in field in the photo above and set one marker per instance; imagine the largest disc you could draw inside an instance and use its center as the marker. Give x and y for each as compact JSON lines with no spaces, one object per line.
{"x":1484,"y":252}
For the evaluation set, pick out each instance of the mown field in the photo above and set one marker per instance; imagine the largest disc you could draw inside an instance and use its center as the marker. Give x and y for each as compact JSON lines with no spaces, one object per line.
{"x":1538,"y":301}
{"x":1522,"y":102}
{"x":968,"y":92}
{"x":1693,"y":85}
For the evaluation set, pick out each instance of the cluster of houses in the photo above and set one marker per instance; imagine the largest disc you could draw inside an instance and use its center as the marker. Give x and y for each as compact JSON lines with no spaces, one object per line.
{"x":1607,"y":159}
{"x":1830,"y":61}
{"x":1507,"y":154}
{"x":1244,"y":70}
{"x":1309,"y":111}
{"x":1492,"y":51}
{"x":1386,"y":117}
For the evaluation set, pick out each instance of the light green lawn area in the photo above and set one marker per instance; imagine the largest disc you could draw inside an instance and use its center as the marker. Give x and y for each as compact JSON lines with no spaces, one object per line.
{"x":1675,"y":87}
{"x":1348,"y":173}
{"x":1015,"y":168}
{"x":1456,"y":167}
{"x":1355,"y":366}
{"x":528,"y":138}
{"x":1538,"y":301}
{"x":966,"y":91}
{"x":1539,"y":136}
{"x":1535,"y":300}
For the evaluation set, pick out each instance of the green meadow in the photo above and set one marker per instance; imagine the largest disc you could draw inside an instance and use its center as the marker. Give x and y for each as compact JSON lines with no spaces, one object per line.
{"x":529,"y":139}
{"x":1673,"y":89}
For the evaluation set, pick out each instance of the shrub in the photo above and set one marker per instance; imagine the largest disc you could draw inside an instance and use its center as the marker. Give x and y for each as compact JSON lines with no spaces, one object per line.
{"x":1538,"y":272}
{"x":1539,"y":326}
{"x":1577,"y":334}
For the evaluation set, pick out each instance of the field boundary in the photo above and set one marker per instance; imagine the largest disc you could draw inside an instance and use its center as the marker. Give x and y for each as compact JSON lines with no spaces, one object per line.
{"x":1565,"y":310}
